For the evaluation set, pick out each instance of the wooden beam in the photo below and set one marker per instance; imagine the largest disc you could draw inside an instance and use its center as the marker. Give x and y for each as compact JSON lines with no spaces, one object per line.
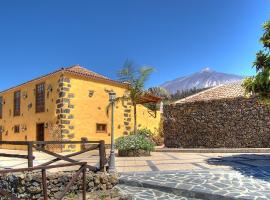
{"x":29,"y":169}
{"x":13,"y":155}
{"x":73,"y":179}
{"x":71,"y":155}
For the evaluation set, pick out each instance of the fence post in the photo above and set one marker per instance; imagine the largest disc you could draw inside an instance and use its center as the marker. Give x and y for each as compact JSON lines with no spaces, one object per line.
{"x":44,"y":184}
{"x":102,"y":155}
{"x":83,"y":139}
{"x":30,"y":154}
{"x":84,"y":183}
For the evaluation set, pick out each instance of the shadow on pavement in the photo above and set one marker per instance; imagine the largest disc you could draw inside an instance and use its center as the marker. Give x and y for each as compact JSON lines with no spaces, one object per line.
{"x":255,"y":165}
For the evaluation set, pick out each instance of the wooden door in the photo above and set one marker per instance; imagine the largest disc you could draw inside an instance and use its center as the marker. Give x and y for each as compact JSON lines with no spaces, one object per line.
{"x":40,"y":132}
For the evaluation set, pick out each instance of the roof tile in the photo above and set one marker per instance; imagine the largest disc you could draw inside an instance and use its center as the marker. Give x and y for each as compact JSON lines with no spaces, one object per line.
{"x":230,"y":90}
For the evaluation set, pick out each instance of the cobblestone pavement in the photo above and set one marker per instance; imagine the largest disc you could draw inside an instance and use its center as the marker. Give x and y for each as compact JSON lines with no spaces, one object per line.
{"x":204,"y":184}
{"x":139,"y":193}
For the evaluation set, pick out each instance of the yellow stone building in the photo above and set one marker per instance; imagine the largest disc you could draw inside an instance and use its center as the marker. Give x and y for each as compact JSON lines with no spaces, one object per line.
{"x":68,"y":104}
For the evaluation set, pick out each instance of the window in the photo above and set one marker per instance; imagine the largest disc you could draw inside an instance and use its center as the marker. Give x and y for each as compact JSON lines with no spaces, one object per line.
{"x":101,"y":128}
{"x":1,"y":107}
{"x":16,"y":128}
{"x":40,"y":97}
{"x":17,"y":103}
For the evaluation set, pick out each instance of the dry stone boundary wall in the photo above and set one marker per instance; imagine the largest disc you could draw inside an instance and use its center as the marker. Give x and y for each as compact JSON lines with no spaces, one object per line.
{"x":224,"y":123}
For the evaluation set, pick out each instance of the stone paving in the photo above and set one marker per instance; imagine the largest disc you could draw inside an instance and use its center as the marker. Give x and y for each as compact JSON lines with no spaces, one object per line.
{"x":232,"y":176}
{"x":200,"y":184}
{"x":139,"y":193}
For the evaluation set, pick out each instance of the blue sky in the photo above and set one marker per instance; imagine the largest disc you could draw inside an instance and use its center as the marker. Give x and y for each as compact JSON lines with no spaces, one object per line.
{"x":177,"y":37}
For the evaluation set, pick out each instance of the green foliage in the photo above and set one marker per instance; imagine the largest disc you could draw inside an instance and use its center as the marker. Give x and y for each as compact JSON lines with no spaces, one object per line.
{"x":144,"y":131}
{"x":265,"y":39}
{"x":265,"y":101}
{"x":134,"y":142}
{"x":157,"y":138}
{"x":262,"y":61}
{"x":185,"y":93}
{"x":248,"y":84}
{"x":260,"y":83}
{"x":137,"y":78}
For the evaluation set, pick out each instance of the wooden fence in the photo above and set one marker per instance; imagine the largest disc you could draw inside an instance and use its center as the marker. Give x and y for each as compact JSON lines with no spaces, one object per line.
{"x":39,"y":146}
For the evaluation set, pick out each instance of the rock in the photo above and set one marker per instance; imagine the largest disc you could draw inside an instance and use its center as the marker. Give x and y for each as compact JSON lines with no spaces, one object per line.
{"x":103,"y":178}
{"x":34,"y":189}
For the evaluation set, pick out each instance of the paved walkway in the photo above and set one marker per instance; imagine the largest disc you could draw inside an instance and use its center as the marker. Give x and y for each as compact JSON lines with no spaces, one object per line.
{"x":162,"y":161}
{"x":158,"y":161}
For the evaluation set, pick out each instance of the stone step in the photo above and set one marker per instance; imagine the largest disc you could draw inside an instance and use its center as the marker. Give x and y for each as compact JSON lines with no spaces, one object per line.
{"x":139,"y":193}
{"x":195,"y":193}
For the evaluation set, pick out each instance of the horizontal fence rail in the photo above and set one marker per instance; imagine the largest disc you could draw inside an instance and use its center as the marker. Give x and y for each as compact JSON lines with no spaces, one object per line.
{"x":39,"y":146}
{"x":48,"y":142}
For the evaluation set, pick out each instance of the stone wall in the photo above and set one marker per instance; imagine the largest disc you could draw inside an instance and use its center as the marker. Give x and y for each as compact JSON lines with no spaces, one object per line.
{"x":28,"y":186}
{"x":230,"y":123}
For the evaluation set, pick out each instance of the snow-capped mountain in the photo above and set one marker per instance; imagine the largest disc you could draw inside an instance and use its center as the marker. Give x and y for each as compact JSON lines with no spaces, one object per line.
{"x":203,"y":79}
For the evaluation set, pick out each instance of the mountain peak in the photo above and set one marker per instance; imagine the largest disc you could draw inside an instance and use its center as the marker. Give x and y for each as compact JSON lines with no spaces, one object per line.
{"x":203,"y":79}
{"x":207,"y":69}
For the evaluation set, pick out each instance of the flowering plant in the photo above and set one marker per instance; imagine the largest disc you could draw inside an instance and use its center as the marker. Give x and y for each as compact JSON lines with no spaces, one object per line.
{"x":134,"y":142}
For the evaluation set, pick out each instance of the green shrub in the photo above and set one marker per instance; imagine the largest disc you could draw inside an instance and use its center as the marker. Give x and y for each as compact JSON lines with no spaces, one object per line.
{"x":155,"y":137}
{"x":145,"y":132}
{"x":134,"y":142}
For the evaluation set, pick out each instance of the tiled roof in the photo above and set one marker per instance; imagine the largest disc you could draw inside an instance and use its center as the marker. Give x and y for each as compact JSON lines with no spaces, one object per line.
{"x":76,"y":70}
{"x":230,"y":90}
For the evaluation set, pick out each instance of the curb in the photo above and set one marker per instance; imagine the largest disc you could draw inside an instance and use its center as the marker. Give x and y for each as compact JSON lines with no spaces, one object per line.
{"x":216,"y":150}
{"x":177,"y":191}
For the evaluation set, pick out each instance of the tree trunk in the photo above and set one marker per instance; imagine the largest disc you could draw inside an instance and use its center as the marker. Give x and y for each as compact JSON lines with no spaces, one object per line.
{"x":135,"y":118}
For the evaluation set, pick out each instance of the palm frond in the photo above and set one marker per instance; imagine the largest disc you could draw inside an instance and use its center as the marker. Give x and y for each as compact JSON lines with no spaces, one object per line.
{"x":128,"y":73}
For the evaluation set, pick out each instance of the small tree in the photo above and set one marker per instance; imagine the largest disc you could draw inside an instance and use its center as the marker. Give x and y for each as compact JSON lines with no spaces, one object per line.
{"x":260,"y":83}
{"x":137,"y":78}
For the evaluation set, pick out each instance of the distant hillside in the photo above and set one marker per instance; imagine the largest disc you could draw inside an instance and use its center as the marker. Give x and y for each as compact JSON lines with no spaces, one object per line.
{"x":204,"y":79}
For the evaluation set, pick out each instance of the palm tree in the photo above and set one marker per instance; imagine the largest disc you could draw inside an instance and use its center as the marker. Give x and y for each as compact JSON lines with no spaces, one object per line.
{"x":136,"y":78}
